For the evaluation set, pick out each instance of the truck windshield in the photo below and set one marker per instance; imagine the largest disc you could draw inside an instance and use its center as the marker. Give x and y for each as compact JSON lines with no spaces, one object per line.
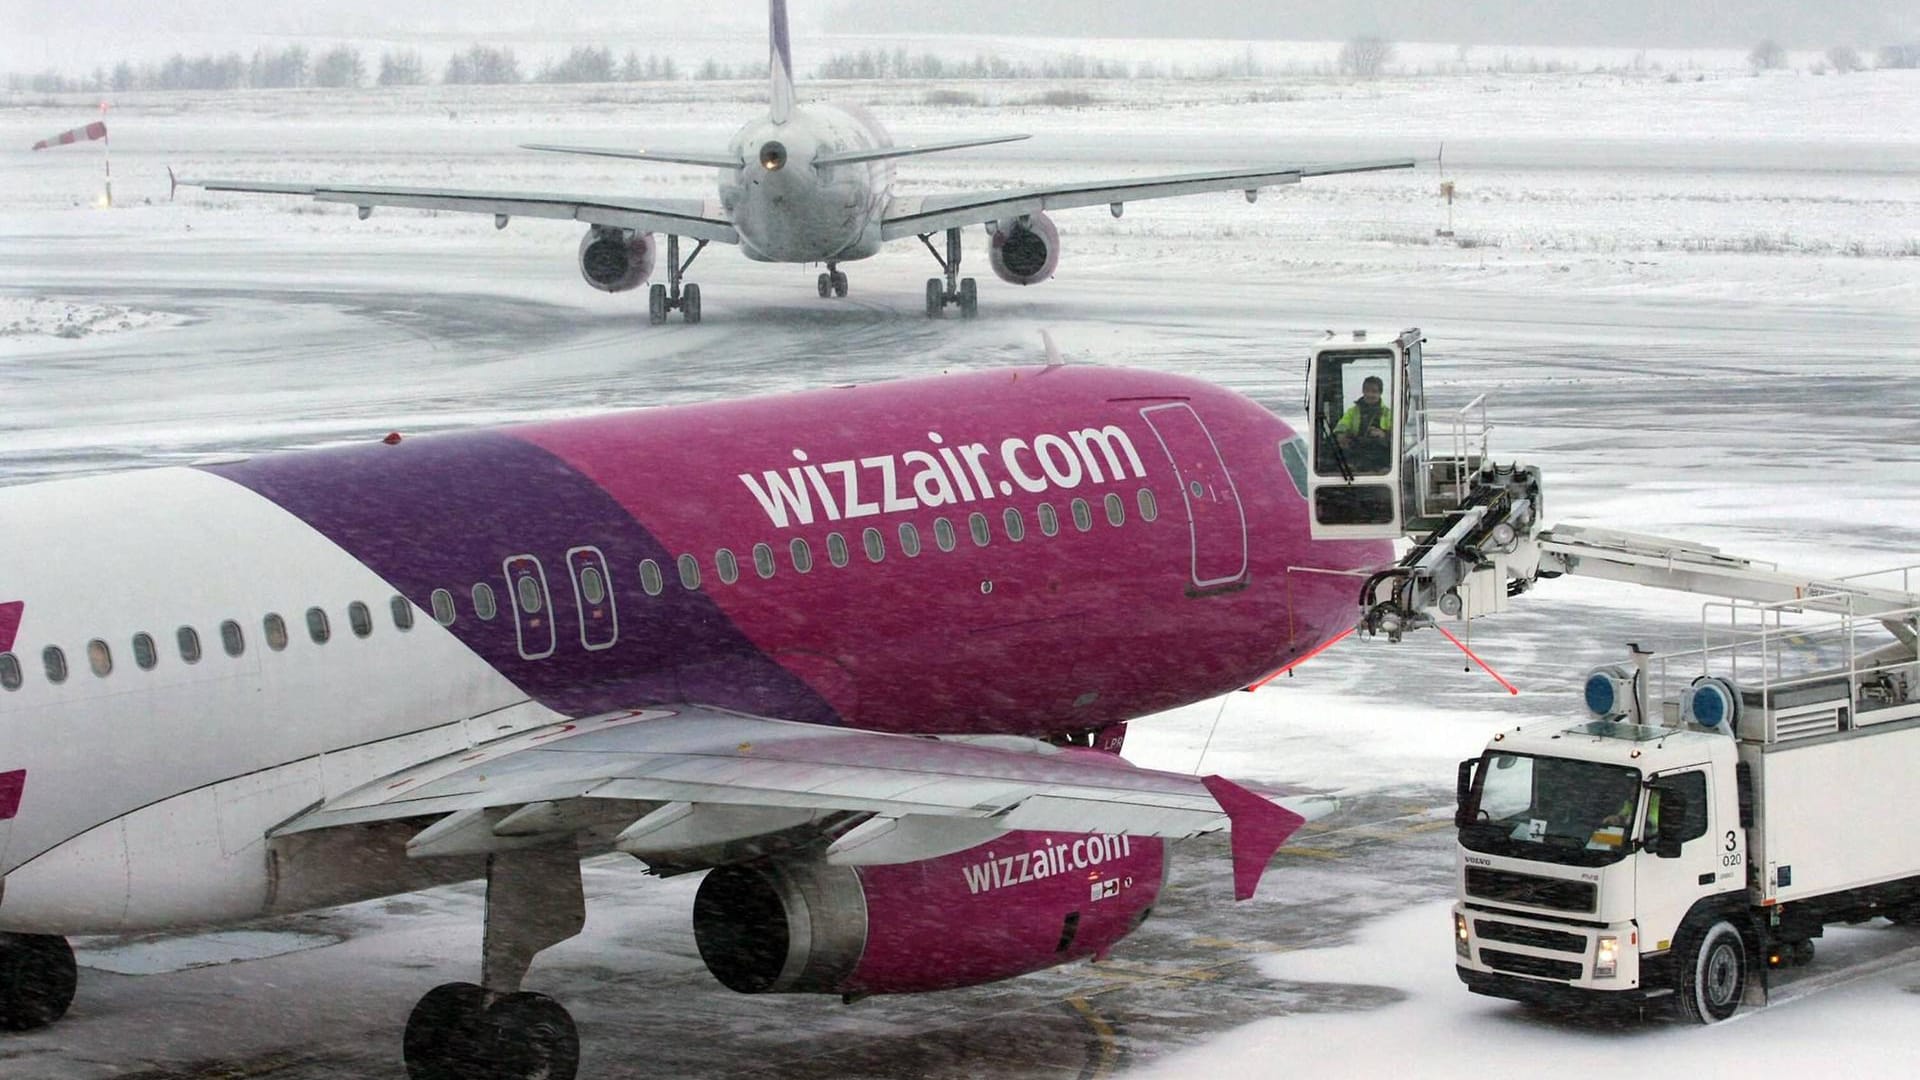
{"x":1578,"y":813}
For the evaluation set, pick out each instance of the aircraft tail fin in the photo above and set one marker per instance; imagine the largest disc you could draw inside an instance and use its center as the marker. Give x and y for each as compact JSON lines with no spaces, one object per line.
{"x":779,"y":62}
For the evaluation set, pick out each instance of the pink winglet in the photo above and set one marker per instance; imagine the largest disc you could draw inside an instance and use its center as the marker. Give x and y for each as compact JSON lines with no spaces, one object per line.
{"x":10,"y":613}
{"x":1260,"y":826}
{"x":12,"y":786}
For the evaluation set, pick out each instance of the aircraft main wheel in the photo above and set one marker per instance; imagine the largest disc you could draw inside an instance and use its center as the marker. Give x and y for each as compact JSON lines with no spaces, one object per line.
{"x":826,"y":286}
{"x":936,"y":297}
{"x":839,"y":284}
{"x":442,"y":1030}
{"x":690,"y":303}
{"x":1713,"y":975}
{"x":969,"y":298}
{"x":657,"y":304}
{"x":530,"y":1037}
{"x":38,"y":976}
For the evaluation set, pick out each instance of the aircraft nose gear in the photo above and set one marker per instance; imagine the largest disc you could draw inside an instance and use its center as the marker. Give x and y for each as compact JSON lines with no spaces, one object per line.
{"x":37,"y":979}
{"x":954,"y":289}
{"x":833,"y":283}
{"x":496,"y":1031}
{"x":662,"y":299}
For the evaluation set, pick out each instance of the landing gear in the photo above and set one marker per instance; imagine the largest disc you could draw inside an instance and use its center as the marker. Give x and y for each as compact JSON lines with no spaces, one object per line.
{"x":832,"y":283}
{"x":662,"y":299}
{"x":37,"y":980}
{"x":954,"y":289}
{"x":496,"y":1031}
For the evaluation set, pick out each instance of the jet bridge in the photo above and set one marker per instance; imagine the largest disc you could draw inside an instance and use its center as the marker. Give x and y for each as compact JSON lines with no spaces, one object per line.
{"x":1385,"y":466}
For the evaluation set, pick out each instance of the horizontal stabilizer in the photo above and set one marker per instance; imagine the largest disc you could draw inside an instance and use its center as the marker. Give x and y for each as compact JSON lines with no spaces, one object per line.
{"x":881,"y":153}
{"x":1259,"y":826}
{"x":710,"y":161}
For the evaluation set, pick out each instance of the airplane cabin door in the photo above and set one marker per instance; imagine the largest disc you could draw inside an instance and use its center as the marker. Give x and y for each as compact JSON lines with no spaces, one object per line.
{"x":1216,"y":522}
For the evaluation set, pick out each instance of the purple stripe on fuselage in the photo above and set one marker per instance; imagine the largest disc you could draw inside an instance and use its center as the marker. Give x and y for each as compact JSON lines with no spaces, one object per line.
{"x":445,"y":512}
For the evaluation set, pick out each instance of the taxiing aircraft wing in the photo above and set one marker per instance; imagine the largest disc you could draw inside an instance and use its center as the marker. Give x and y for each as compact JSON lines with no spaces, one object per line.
{"x":696,"y":218}
{"x":932,"y":213}
{"x":671,"y":783}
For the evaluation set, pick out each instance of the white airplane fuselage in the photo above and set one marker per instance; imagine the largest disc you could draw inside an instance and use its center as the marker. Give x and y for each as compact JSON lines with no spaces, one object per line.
{"x":796,"y":211}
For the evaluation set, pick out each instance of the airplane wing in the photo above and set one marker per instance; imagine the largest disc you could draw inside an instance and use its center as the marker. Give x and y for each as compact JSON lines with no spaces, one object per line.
{"x":696,"y":218}
{"x":932,"y":213}
{"x":670,"y":784}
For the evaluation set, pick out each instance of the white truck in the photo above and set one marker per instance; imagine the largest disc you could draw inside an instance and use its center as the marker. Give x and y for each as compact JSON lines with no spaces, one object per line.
{"x":1719,"y":808}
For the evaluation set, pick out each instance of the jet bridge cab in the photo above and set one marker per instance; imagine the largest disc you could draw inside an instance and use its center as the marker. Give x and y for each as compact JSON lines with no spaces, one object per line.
{"x":1375,"y":473}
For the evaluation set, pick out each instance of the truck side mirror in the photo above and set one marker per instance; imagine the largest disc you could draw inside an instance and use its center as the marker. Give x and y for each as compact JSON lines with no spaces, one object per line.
{"x":1462,"y":787}
{"x":1674,"y":813}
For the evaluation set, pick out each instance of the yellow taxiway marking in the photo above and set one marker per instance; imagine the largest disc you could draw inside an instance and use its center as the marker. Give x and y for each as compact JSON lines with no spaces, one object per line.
{"x":1102,"y":1065}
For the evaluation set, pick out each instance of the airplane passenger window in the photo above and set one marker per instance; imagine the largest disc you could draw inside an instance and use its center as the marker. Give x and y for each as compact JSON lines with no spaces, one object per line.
{"x":802,"y":555}
{"x":9,"y":671}
{"x":1082,"y":515}
{"x":402,"y":609}
{"x":689,"y":572}
{"x":442,"y":602}
{"x":231,"y":639}
{"x":977,"y":528}
{"x":276,"y":628}
{"x":650,"y":577}
{"x":943,"y":534}
{"x":56,"y":662}
{"x":1116,"y":510}
{"x":361,"y":619}
{"x":189,"y":641}
{"x":1149,"y":506}
{"x":836,"y":549}
{"x":145,"y":656}
{"x":100,"y":658}
{"x":317,"y":626}
{"x":528,"y":590}
{"x":1049,"y":520}
{"x":909,"y":540}
{"x":876,"y":547}
{"x":763,"y":560}
{"x":728,"y":566}
{"x":1016,"y":525}
{"x":484,"y":607}
{"x":592,"y":589}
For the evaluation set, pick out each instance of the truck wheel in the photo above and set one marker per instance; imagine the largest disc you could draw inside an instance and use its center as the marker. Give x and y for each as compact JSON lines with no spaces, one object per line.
{"x":1714,"y":977}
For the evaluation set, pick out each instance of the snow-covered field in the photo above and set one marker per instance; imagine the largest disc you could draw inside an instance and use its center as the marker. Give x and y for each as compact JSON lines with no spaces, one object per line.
{"x":1696,"y":304}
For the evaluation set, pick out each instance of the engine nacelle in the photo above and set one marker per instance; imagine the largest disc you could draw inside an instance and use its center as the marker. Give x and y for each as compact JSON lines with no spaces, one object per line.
{"x":1025,"y":902}
{"x":1025,"y":253}
{"x":615,"y":260}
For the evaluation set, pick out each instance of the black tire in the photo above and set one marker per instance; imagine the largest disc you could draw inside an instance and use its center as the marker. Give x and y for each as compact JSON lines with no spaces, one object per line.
{"x":440,"y":1040}
{"x":38,"y":977}
{"x":532,"y":1038}
{"x":839,"y":284}
{"x":657,"y":304}
{"x":825,"y":285}
{"x":936,"y":297}
{"x":690,"y":303}
{"x":969,"y":298}
{"x":1713,"y":974}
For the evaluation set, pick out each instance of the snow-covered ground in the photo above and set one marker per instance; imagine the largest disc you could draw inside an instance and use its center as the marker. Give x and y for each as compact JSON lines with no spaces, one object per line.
{"x":1696,"y":305}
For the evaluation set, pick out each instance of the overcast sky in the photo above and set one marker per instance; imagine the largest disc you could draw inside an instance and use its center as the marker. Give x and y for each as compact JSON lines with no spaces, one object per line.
{"x":1732,"y":23}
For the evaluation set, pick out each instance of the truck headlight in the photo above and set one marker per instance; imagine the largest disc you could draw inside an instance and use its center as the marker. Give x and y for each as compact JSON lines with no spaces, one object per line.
{"x":1606,"y":958}
{"x":1460,"y":933}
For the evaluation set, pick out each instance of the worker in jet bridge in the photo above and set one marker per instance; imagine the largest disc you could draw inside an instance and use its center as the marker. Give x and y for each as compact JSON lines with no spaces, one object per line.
{"x":1363,"y":429}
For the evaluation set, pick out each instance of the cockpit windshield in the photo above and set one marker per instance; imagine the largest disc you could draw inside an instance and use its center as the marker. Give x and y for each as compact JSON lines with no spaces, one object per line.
{"x":1578,"y":813}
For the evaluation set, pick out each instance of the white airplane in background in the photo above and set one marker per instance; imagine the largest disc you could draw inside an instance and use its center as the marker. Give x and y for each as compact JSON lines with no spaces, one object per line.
{"x":809,"y":184}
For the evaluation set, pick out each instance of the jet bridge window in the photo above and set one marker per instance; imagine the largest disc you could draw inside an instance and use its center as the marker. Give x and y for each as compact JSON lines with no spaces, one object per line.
{"x":10,"y":671}
{"x":56,"y":662}
{"x":99,"y":658}
{"x":145,"y":654}
{"x":1353,"y":412}
{"x":276,"y":630}
{"x":189,"y":641}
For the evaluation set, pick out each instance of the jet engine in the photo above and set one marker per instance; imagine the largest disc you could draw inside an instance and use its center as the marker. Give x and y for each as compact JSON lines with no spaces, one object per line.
{"x":1026,"y":250}
{"x":1023,"y":902}
{"x":615,"y":260}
